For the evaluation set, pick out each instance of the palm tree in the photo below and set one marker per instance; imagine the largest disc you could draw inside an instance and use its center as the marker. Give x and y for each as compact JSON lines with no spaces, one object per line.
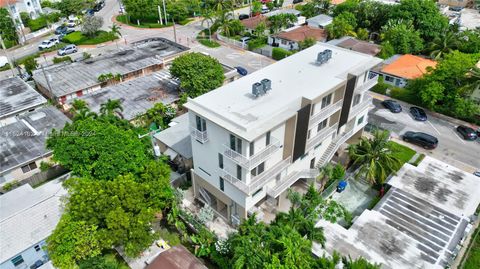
{"x":78,"y":105}
{"x":375,"y":158}
{"x":208,"y":17}
{"x":443,"y":44}
{"x":475,"y":74}
{"x":83,"y":114}
{"x":325,"y":173}
{"x":111,"y":107}
{"x":115,"y":30}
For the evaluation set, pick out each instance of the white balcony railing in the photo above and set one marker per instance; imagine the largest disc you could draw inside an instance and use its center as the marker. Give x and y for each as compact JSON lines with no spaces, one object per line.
{"x":289,"y":180}
{"x":333,"y":147}
{"x":258,"y":181}
{"x":367,"y":85}
{"x":200,"y":136}
{"x":320,"y":136}
{"x":366,"y":103}
{"x":254,"y":160}
{"x":325,"y":112}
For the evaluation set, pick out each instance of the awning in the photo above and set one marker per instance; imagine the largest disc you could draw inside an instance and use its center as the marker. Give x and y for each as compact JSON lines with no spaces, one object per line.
{"x":171,"y":153}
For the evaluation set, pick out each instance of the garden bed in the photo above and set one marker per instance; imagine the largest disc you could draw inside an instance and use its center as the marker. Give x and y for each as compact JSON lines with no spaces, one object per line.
{"x":78,"y":38}
{"x":208,"y":42}
{"x":143,"y":24}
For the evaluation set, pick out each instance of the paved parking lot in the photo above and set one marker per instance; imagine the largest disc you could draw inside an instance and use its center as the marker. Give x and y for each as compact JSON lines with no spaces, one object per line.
{"x":451,"y":147}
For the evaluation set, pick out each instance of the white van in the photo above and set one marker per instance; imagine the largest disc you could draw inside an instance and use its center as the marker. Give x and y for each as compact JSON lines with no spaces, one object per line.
{"x":3,"y":61}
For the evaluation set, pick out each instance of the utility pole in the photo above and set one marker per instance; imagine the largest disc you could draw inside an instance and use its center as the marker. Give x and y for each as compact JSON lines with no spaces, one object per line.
{"x":174,"y":31}
{"x":165,"y":12}
{"x":160,"y":14}
{"x":6,"y":55}
{"x":46,"y":78}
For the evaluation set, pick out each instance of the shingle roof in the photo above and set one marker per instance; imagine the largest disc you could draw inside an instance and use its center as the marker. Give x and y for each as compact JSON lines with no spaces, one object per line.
{"x":354,"y":44}
{"x":301,"y":33}
{"x":177,"y":257}
{"x":253,"y":22}
{"x":409,"y":66}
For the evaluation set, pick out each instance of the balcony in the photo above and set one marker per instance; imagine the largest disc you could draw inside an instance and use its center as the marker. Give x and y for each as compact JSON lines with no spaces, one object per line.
{"x":254,"y":160}
{"x":258,"y":181}
{"x":367,"y":85}
{"x":325,"y":112}
{"x":361,"y":106}
{"x":319,"y":137}
{"x":289,"y":180}
{"x":200,"y":136}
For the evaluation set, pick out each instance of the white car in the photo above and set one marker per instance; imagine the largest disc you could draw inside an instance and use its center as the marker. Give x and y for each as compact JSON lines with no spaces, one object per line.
{"x":69,"y":49}
{"x":71,"y":23}
{"x":3,"y":61}
{"x":46,"y":44}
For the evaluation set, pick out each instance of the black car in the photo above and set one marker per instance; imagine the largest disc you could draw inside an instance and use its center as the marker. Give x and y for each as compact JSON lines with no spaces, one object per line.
{"x":90,"y":12}
{"x":297,"y":1}
{"x":421,"y":139}
{"x":392,"y":105}
{"x":456,"y":9}
{"x":243,"y":16}
{"x":242,"y":71}
{"x":418,"y":113}
{"x":99,"y":6}
{"x":467,"y":132}
{"x":61,"y":29}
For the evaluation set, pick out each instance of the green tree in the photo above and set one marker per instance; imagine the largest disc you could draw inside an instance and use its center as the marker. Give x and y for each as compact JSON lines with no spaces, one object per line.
{"x":387,"y":50}
{"x":281,"y":21}
{"x":432,"y":94}
{"x":69,"y":7}
{"x":443,"y":44}
{"x":362,"y":34}
{"x":160,"y":114}
{"x":115,"y":31}
{"x":112,"y":107}
{"x":342,"y":25}
{"x":198,"y":73}
{"x":359,"y":263}
{"x":256,"y":7}
{"x":97,"y":148}
{"x":72,"y":241}
{"x":91,"y":25}
{"x":307,"y":42}
{"x":30,"y":64}
{"x":374,"y":157}
{"x":7,"y":27}
{"x":177,"y":10}
{"x":402,"y":36}
{"x":141,"y":9}
{"x":469,"y":41}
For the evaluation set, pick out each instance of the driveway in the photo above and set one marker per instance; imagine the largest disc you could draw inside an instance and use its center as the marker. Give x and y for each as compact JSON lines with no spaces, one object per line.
{"x":451,"y":147}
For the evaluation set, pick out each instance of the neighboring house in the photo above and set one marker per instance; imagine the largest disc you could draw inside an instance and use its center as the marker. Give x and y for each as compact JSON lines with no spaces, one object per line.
{"x":27,"y":218}
{"x":351,"y":43}
{"x":300,"y":19}
{"x":177,"y":257}
{"x":476,"y":93}
{"x":319,"y":21}
{"x":399,"y":69}
{"x":175,"y":142}
{"x":426,"y":214}
{"x":69,"y":81}
{"x":249,"y":149}
{"x":455,"y":3}
{"x":251,"y":23}
{"x":25,"y":121}
{"x":290,"y":38}
{"x":15,"y":7}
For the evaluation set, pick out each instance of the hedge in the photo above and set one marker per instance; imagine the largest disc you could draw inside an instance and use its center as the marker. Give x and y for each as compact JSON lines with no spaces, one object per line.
{"x":57,"y":60}
{"x":78,"y":38}
{"x":147,"y":23}
{"x":279,"y":53}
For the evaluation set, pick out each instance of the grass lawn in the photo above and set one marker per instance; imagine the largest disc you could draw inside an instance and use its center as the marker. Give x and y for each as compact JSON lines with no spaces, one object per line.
{"x":143,"y":24}
{"x":208,"y":43}
{"x":78,"y":38}
{"x":473,"y":256}
{"x":404,"y":153}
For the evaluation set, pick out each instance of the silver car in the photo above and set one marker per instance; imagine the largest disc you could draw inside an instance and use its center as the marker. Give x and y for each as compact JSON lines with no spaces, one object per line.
{"x":69,"y":49}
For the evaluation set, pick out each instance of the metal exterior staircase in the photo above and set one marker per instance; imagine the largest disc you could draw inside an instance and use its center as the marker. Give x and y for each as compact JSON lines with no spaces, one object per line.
{"x":289,"y":180}
{"x":333,"y":147}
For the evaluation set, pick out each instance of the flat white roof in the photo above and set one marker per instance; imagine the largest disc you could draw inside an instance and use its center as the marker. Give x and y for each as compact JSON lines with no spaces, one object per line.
{"x":28,"y":216}
{"x":441,"y":184}
{"x":233,"y":107}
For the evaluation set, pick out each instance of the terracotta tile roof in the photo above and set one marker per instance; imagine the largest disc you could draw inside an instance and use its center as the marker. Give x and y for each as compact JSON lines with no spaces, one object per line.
{"x":301,"y":33}
{"x":337,"y":2}
{"x":253,"y":22}
{"x":177,"y":257}
{"x":409,"y":66}
{"x":360,"y":46}
{"x":4,"y":3}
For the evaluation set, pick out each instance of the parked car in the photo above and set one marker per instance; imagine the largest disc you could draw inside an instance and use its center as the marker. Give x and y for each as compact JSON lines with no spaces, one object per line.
{"x":99,"y":6}
{"x":46,"y":44}
{"x":71,"y":23}
{"x":245,"y":39}
{"x":243,"y":16}
{"x":456,"y":9}
{"x":467,"y":132}
{"x":297,"y":1}
{"x":392,"y":105}
{"x":90,"y":12}
{"x":61,"y":29}
{"x":418,"y":113}
{"x":477,"y":173}
{"x":242,"y":71}
{"x":265,"y":9}
{"x":3,"y":61}
{"x":67,"y":50}
{"x":421,"y":139}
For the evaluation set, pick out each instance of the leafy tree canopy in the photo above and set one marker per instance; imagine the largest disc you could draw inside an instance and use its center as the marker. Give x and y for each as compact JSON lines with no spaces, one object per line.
{"x":198,"y":73}
{"x":7,"y":27}
{"x":402,"y":36}
{"x":100,"y":148}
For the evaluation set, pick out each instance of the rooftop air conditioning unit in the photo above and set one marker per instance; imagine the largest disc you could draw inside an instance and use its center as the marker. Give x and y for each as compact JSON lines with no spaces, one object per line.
{"x":324,"y":56}
{"x":257,"y":89}
{"x":267,"y":84}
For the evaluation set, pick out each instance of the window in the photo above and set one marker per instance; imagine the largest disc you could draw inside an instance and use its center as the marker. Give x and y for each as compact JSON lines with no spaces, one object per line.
{"x":360,"y":120}
{"x":322,"y":125}
{"x":267,"y":139}
{"x":222,"y":184}
{"x":356,"y":99}
{"x":37,"y":248}
{"x":326,"y":100}
{"x":239,"y":172}
{"x":220,"y":160}
{"x":17,"y":260}
{"x":312,"y":163}
{"x":252,"y":148}
{"x":257,"y":192}
{"x":29,"y":167}
{"x":235,"y":143}
{"x":389,"y":78}
{"x":309,"y":134}
{"x":201,"y":124}
{"x":258,"y":170}
{"x":313,"y":109}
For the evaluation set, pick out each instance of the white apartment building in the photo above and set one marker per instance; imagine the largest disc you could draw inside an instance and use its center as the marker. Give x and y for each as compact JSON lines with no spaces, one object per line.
{"x":250,"y":149}
{"x":32,"y":7}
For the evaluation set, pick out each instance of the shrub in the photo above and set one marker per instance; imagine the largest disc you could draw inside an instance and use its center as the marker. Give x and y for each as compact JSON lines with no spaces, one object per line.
{"x":37,"y":24}
{"x":44,"y":166}
{"x":10,"y":185}
{"x":381,"y":87}
{"x":57,"y":60}
{"x":279,"y":53}
{"x":404,"y":95}
{"x":257,"y":43}
{"x":78,"y":38}
{"x":206,"y":214}
{"x":171,"y":238}
{"x":338,"y":172}
{"x":208,"y":43}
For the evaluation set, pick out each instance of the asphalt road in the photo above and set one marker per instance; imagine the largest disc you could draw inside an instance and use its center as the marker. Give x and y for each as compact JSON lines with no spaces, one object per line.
{"x":451,"y":147}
